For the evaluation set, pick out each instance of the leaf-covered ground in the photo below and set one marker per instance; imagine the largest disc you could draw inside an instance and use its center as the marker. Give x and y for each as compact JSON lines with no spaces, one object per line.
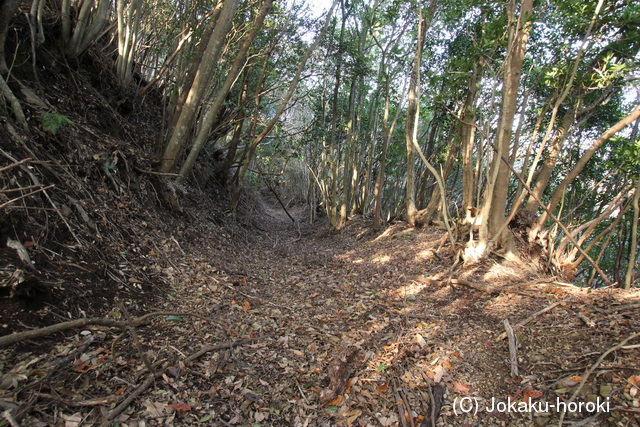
{"x":259,"y":321}
{"x":305,"y":326}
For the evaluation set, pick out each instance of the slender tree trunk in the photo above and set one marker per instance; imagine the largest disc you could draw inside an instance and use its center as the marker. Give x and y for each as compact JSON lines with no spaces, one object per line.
{"x":216,"y":106}
{"x":127,"y":38}
{"x":333,"y":158}
{"x":411,"y":125}
{"x":562,"y":187}
{"x":387,"y":131}
{"x":292,"y":87}
{"x":467,"y":136}
{"x":191,"y":70}
{"x":348,"y":155}
{"x":550,"y":162}
{"x":633,"y":247}
{"x":199,"y":87}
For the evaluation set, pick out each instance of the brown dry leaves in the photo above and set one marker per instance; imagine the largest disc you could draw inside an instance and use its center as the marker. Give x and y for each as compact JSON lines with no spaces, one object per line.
{"x":335,"y":331}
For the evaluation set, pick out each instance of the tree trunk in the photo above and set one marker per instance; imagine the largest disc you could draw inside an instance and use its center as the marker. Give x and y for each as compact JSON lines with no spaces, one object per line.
{"x":91,"y":21}
{"x":292,"y":87}
{"x":562,"y":187}
{"x":633,"y":247}
{"x":332,"y":202}
{"x":467,"y":136}
{"x":348,"y":156}
{"x":216,"y":106}
{"x":127,"y":38}
{"x":494,"y":206}
{"x":199,"y":87}
{"x":411,"y":125}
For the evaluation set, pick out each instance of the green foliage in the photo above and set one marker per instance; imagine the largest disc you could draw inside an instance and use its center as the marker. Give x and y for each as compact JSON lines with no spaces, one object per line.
{"x":52,"y":122}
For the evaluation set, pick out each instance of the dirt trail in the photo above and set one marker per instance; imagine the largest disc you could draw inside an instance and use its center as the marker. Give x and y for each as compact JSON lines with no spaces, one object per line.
{"x":314,"y":327}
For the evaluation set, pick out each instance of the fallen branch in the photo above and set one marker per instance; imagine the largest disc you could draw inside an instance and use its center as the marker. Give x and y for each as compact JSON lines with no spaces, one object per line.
{"x":207,"y":349}
{"x":81,"y":323}
{"x":400,"y":403}
{"x":622,"y":307}
{"x":264,"y":301}
{"x":108,"y":420}
{"x":435,"y":404}
{"x":590,"y":323}
{"x":478,"y":286}
{"x":346,"y":362}
{"x":136,"y":340}
{"x":529,"y":319}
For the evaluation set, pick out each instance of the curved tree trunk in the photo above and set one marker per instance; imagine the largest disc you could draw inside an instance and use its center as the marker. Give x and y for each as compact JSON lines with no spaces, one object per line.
{"x":411,"y":125}
{"x":562,"y":187}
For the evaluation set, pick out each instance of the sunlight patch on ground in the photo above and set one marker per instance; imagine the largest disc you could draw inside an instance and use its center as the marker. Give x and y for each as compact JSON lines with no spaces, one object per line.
{"x":381,"y":259}
{"x":411,"y":290}
{"x":499,"y":271}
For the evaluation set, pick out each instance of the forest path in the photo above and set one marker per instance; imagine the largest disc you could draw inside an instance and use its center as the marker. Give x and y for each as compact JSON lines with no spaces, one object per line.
{"x":341,"y":325}
{"x":316,"y":327}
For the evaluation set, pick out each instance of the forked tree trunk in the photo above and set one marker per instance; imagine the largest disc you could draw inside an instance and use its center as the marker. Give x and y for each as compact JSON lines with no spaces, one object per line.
{"x":200,"y":86}
{"x":492,"y":215}
{"x":91,"y":21}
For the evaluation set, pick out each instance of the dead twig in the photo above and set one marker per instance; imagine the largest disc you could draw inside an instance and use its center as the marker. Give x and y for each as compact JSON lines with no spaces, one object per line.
{"x":400,"y":404}
{"x":13,"y":165}
{"x":529,"y":319}
{"x":72,"y":356}
{"x":257,"y":298}
{"x":513,"y":348}
{"x":478,"y":286}
{"x":156,"y":173}
{"x":435,"y":403}
{"x":136,"y":340}
{"x":302,"y":393}
{"x":108,"y":420}
{"x":12,"y":421}
{"x":585,"y":377}
{"x":621,"y":307}
{"x":207,"y":349}
{"x":25,"y":195}
{"x":590,"y":323}
{"x":36,"y":181}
